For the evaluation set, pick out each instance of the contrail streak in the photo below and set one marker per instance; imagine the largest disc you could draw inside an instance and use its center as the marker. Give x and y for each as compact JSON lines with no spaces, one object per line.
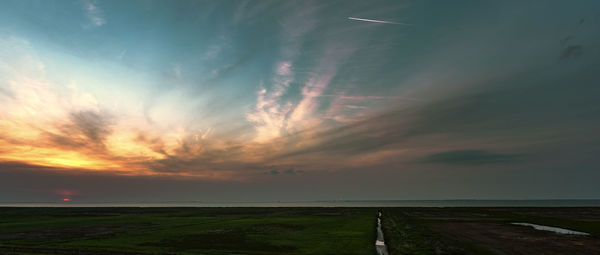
{"x":379,"y":21}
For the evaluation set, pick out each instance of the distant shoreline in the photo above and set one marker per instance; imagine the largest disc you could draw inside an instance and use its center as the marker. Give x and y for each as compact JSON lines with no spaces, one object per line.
{"x":336,"y":203}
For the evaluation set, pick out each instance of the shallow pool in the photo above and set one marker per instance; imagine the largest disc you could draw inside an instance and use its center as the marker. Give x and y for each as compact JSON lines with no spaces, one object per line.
{"x":553,"y":229}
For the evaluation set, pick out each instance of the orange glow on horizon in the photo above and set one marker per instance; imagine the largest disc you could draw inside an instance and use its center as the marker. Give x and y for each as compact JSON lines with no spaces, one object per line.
{"x":54,"y":157}
{"x":66,"y":199}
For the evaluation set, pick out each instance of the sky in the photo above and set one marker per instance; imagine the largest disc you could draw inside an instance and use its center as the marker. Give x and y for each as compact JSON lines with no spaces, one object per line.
{"x":127,"y":101}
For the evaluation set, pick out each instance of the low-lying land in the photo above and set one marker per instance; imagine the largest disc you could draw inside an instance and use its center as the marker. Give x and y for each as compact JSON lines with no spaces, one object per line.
{"x":187,"y":230}
{"x":490,"y":230}
{"x":321,"y":231}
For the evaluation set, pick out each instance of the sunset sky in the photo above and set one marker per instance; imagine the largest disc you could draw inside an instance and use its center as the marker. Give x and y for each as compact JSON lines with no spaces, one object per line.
{"x":298,"y":100}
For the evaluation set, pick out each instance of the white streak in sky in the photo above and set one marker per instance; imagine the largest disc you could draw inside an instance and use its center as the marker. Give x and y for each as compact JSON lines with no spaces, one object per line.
{"x":379,"y":21}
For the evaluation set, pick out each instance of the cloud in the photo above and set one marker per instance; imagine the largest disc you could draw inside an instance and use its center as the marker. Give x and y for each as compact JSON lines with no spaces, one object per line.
{"x":227,"y":69}
{"x":83,"y":131}
{"x":276,"y":116}
{"x":526,"y":113}
{"x":289,"y":171}
{"x":270,"y":116}
{"x":292,"y":171}
{"x":328,"y":100}
{"x":177,"y":71}
{"x":94,"y":126}
{"x":122,"y":54}
{"x":94,"y":14}
{"x":572,"y":51}
{"x":470,"y":157}
{"x":357,"y":137}
{"x":248,"y":11}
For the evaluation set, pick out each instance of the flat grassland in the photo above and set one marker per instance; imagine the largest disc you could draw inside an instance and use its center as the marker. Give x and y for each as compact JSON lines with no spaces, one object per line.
{"x":187,"y":230}
{"x":419,"y":231}
{"x":321,"y":231}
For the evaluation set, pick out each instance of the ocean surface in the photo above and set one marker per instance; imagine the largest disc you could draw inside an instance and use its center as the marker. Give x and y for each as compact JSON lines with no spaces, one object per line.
{"x":343,"y":203}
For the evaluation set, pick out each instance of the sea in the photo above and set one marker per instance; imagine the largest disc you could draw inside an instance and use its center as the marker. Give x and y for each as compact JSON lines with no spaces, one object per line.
{"x":333,"y":203}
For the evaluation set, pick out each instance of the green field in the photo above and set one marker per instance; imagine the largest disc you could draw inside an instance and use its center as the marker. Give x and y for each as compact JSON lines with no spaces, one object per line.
{"x":187,"y":230}
{"x":322,"y":231}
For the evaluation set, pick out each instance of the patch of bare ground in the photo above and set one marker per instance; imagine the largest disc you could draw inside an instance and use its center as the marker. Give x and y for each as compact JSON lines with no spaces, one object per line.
{"x":509,"y":239}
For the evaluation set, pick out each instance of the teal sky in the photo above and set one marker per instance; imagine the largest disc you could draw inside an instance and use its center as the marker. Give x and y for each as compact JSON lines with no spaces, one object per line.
{"x":298,"y":100}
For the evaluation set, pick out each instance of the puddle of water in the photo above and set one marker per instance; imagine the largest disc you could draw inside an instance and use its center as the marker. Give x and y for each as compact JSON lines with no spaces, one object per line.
{"x":552,"y":229}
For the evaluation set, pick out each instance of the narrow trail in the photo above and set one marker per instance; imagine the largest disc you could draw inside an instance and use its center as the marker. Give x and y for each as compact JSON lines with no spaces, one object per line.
{"x":379,"y":243}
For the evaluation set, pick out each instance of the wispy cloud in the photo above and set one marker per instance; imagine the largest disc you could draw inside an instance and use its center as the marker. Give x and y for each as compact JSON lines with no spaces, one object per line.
{"x":94,"y":14}
{"x":470,"y":157}
{"x":326,"y":99}
{"x":177,"y":71}
{"x":270,"y":114}
{"x":122,"y":54}
{"x":379,"y":21}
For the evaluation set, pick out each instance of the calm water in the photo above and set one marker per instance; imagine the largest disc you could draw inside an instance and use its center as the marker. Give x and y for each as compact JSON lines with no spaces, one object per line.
{"x":380,"y":203}
{"x":551,"y":229}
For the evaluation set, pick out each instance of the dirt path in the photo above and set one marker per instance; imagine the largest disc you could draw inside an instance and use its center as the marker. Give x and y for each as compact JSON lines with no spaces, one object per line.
{"x":379,"y":243}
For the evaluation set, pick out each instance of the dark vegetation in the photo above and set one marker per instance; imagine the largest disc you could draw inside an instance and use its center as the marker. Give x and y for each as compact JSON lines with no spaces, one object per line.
{"x":417,"y":231}
{"x":187,"y":230}
{"x":489,"y":230}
